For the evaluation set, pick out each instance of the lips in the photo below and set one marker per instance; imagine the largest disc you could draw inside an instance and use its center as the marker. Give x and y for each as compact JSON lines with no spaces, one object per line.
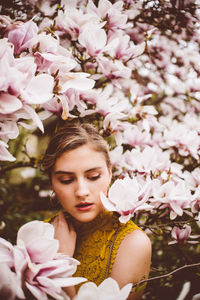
{"x":84,"y":206}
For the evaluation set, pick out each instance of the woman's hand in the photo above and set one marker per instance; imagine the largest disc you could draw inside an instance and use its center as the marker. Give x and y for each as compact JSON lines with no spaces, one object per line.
{"x":65,"y":234}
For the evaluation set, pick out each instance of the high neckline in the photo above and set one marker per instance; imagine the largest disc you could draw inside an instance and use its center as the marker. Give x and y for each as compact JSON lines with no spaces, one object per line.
{"x":99,"y":222}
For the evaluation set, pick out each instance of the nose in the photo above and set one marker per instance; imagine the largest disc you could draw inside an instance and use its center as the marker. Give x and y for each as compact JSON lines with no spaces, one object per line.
{"x":81,"y":190}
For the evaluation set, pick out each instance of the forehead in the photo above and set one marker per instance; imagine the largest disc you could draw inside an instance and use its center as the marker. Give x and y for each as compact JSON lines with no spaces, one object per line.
{"x":84,"y":157}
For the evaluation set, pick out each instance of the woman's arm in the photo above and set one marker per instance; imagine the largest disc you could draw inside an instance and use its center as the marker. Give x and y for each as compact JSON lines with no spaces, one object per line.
{"x":66,"y":235}
{"x":132,"y":263}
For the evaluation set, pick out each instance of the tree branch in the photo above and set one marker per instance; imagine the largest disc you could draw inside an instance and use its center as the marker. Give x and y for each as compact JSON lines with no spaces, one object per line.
{"x":19,"y":164}
{"x":168,"y":274}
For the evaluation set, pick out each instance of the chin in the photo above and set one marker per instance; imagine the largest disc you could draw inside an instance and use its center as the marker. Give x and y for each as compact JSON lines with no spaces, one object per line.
{"x":86,"y":217}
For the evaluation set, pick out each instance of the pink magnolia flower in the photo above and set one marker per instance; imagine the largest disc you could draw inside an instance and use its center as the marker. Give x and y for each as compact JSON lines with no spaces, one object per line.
{"x":20,"y":34}
{"x":124,"y":49}
{"x":112,"y":121}
{"x":127,"y":196}
{"x":107,"y":290}
{"x":134,"y":136}
{"x":36,"y":261}
{"x":185,"y":140}
{"x":73,"y":20}
{"x":93,"y":38}
{"x":192,"y":178}
{"x":152,"y":160}
{"x":176,"y":196}
{"x":113,"y":70}
{"x":111,"y":12}
{"x":182,"y":235}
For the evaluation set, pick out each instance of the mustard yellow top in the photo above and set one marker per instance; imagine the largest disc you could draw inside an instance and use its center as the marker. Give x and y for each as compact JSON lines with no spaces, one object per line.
{"x":97,"y":244}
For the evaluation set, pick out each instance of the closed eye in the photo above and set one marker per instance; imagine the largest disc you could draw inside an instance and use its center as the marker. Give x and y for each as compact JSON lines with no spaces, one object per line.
{"x":93,"y":178}
{"x":67,"y":181}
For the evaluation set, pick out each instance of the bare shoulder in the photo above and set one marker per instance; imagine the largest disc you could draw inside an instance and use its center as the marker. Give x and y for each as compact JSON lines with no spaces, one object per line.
{"x":137,"y":240}
{"x":133,"y":259}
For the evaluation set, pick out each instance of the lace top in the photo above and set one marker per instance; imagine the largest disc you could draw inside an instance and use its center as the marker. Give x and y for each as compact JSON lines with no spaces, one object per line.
{"x":97,"y":244}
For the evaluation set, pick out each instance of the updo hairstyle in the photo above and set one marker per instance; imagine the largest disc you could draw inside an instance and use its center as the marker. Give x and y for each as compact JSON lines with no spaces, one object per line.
{"x":70,"y":136}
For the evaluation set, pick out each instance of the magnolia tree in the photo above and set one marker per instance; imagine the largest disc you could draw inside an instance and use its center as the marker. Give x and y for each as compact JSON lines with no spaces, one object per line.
{"x":131,"y":68}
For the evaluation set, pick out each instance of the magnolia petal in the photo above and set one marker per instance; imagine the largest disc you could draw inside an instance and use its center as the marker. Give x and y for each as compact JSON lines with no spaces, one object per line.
{"x":58,"y":269}
{"x":71,"y":63}
{"x":34,"y":116}
{"x":27,"y":126}
{"x":5,"y":155}
{"x":176,"y":207}
{"x":5,"y":244}
{"x":39,"y":89}
{"x":173,"y":215}
{"x":78,"y":83}
{"x":139,"y":49}
{"x":125,"y":291}
{"x":49,"y":283}
{"x":108,"y":287}
{"x":64,"y":282}
{"x":144,"y":206}
{"x":20,"y":259}
{"x":125,"y":219}
{"x":42,"y":250}
{"x":87,"y":291}
{"x":54,"y":294}
{"x":172,"y":242}
{"x":107,"y":203}
{"x":35,"y":229}
{"x":10,"y":283}
{"x":56,"y":265}
{"x":9,"y":103}
{"x":6,"y":254}
{"x":36,"y":291}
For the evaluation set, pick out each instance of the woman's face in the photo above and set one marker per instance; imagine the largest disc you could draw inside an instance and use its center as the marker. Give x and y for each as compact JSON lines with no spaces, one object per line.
{"x":78,"y":177}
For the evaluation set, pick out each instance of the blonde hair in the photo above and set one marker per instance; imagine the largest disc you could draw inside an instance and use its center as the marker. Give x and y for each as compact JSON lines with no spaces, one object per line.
{"x":71,"y":136}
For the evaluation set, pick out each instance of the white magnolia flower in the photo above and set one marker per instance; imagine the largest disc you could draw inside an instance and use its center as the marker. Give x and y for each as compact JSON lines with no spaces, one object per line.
{"x":107,"y":290}
{"x":126,"y":196}
{"x":36,"y":264}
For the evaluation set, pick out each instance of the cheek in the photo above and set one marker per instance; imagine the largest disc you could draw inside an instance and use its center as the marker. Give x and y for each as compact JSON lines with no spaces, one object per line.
{"x":103,"y":186}
{"x":61,"y":191}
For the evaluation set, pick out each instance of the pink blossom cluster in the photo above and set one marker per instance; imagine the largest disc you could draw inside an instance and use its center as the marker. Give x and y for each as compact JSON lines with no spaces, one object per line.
{"x":34,"y":264}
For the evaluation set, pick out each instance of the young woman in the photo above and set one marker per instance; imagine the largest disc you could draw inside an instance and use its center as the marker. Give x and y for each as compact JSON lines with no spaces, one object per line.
{"x":79,"y":168}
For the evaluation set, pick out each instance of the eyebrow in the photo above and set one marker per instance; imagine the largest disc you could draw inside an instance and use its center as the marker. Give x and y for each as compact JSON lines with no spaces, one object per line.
{"x":71,"y":173}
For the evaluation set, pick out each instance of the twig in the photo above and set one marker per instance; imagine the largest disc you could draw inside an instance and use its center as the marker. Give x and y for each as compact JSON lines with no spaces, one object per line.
{"x":167,"y":275}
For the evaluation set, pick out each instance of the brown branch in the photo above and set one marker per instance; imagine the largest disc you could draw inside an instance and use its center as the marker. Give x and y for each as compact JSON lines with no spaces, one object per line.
{"x":167,"y":275}
{"x":167,"y":224}
{"x":20,"y":164}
